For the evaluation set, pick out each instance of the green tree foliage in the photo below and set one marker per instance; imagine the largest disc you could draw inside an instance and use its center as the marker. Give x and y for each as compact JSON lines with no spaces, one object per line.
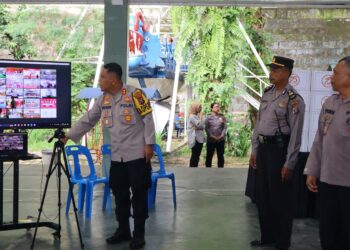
{"x":39,"y":32}
{"x":239,"y":137}
{"x":16,"y":41}
{"x":210,"y":42}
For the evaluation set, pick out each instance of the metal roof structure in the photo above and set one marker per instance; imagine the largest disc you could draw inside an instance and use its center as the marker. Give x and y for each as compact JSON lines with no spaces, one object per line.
{"x":261,"y":3}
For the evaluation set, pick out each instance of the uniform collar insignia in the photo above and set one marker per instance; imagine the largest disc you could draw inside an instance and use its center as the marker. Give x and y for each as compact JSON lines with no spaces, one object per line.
{"x":268,"y":88}
{"x":106,"y":100}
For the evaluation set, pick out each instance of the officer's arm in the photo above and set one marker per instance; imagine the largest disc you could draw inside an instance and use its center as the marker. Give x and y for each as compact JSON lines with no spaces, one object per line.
{"x":86,"y":123}
{"x":296,"y":122}
{"x":255,"y":140}
{"x":149,"y":135}
{"x":144,"y":109}
{"x":206,"y":125}
{"x":313,"y":164}
{"x":225,"y":128}
{"x":149,"y":132}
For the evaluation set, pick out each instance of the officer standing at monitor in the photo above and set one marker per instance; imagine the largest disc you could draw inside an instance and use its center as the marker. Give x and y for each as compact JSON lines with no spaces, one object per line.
{"x":127,"y":114}
{"x":275,"y":146}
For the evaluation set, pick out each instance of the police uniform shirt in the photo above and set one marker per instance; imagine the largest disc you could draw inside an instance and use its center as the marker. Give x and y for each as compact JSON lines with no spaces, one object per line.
{"x":289,"y":108}
{"x":128,"y":118}
{"x":215,"y":125}
{"x":330,"y":153}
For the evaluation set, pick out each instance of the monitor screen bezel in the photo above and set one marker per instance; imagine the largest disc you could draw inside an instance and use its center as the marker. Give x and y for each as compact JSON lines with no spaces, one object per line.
{"x":63,"y":102}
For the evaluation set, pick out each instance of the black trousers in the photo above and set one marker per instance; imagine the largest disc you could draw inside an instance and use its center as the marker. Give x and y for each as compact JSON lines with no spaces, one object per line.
{"x":220,"y":150}
{"x":274,"y":197}
{"x":196,"y":153}
{"x":136,"y":175}
{"x":334,"y":216}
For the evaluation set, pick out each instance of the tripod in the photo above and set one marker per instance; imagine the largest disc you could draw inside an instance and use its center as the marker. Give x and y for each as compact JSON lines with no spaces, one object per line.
{"x":58,"y":150}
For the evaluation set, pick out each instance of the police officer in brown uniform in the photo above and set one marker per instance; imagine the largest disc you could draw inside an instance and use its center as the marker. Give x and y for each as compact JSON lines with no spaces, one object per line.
{"x":275,"y":145}
{"x":127,"y":114}
{"x":329,"y":161}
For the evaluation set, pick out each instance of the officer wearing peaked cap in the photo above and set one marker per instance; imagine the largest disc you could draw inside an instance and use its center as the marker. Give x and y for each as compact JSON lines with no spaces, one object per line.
{"x":275,"y":146}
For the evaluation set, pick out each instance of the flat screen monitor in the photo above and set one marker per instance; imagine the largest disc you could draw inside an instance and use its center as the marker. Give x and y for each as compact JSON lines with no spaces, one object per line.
{"x":35,"y":94}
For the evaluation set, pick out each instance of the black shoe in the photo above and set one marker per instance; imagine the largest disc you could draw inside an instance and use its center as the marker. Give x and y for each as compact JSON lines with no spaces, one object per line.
{"x":137,"y":243}
{"x":261,"y":243}
{"x":276,"y":248}
{"x":119,"y":236}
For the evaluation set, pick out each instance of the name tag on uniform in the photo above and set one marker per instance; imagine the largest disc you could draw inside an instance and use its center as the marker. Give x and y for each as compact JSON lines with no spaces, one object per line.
{"x":327,"y":119}
{"x":126,"y":105}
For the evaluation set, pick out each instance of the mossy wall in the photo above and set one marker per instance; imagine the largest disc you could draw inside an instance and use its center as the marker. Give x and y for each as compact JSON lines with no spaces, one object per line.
{"x":315,"y":38}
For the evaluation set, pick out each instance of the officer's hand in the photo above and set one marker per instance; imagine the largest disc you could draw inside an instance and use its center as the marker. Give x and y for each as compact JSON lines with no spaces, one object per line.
{"x":252,"y":161}
{"x":311,"y":183}
{"x":148,"y":150}
{"x":64,"y":140}
{"x":286,"y":174}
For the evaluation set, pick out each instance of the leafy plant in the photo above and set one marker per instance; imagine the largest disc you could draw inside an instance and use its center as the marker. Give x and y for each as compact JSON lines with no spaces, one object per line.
{"x":160,"y":140}
{"x":238,"y":139}
{"x":210,"y":42}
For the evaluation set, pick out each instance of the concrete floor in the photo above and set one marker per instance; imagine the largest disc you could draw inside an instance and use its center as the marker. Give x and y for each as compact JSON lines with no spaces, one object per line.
{"x":212,"y":213}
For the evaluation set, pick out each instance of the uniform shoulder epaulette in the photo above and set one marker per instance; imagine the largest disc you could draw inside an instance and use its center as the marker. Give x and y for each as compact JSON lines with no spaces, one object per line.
{"x":268,"y":88}
{"x":292,"y":94}
{"x":142,"y":104}
{"x":294,"y":101}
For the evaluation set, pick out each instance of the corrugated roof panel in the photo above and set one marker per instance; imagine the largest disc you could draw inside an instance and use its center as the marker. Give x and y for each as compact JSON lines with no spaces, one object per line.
{"x":267,"y":3}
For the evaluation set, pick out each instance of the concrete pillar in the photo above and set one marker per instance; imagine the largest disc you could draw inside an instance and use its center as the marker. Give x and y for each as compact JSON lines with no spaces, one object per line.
{"x":116,"y":39}
{"x":116,"y":33}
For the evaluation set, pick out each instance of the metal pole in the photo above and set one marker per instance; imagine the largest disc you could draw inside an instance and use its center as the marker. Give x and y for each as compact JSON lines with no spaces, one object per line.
{"x":173,"y":106}
{"x":263,"y":66}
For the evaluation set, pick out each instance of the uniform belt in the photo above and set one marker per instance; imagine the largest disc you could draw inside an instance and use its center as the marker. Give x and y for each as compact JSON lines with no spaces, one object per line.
{"x":271,"y":139}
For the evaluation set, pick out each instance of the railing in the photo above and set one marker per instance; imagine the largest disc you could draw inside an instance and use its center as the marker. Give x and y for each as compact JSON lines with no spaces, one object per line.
{"x":242,"y":85}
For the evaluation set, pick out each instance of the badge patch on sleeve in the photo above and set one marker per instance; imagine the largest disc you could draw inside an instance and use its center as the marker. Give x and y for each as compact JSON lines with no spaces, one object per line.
{"x":295,"y":103}
{"x":142,"y":104}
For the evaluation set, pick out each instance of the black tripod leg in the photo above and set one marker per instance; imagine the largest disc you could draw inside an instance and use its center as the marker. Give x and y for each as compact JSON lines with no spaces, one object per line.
{"x":58,"y":149}
{"x":66,"y":172}
{"x":49,"y":173}
{"x":57,"y":234}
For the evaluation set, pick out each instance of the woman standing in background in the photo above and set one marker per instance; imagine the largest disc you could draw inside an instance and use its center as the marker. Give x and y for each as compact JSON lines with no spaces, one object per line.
{"x":196,"y":135}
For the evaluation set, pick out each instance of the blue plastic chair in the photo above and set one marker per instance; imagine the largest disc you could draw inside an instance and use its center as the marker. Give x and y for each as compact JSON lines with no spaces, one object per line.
{"x":159,"y":174}
{"x":85,"y":183}
{"x":106,"y":152}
